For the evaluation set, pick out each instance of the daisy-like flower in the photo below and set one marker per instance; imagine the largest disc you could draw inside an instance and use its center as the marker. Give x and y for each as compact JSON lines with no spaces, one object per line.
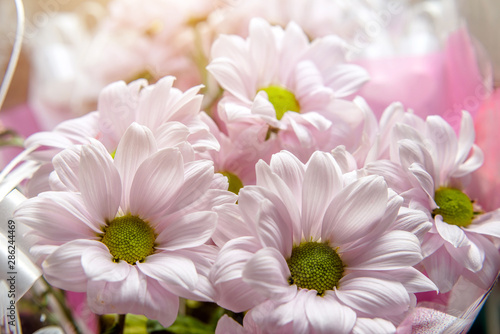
{"x":132,"y":230}
{"x":313,"y":250}
{"x":439,"y":164}
{"x":172,"y":115}
{"x":277,"y":79}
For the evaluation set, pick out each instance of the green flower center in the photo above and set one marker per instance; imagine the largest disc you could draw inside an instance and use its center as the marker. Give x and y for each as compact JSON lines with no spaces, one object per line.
{"x":235,"y":183}
{"x":282,"y":99}
{"x":129,"y":238}
{"x":315,"y":266}
{"x":454,"y":206}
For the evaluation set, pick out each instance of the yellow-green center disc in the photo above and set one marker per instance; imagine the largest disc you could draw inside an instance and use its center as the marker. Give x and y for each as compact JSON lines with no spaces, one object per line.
{"x":282,"y":99}
{"x":454,"y":206}
{"x":129,"y":238}
{"x":315,"y":266}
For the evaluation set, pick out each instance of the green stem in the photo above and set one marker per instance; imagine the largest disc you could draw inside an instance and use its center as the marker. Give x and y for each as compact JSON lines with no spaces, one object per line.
{"x":121,"y":323}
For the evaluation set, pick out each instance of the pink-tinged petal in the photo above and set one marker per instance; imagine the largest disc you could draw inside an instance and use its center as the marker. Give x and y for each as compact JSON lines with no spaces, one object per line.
{"x":274,"y":230}
{"x":370,"y":326}
{"x":159,"y":304}
{"x":203,"y":258}
{"x":394,"y":250}
{"x":38,"y":182}
{"x":227,"y":325}
{"x":414,"y":221}
{"x":486,"y":224}
{"x":98,"y":264}
{"x":446,"y":146}
{"x":485,"y":277}
{"x":354,"y":211}
{"x":442,"y":269}
{"x":198,"y":176}
{"x":190,"y":230}
{"x":263,"y":51}
{"x":327,"y":315}
{"x":322,"y":181}
{"x":291,"y":170}
{"x":137,"y":294}
{"x":470,"y":257}
{"x":475,"y":161}
{"x":292,"y":312}
{"x":66,"y":165}
{"x":170,"y":268}
{"x":465,"y":138}
{"x":171,"y":134}
{"x":116,"y":107}
{"x":412,"y":279}
{"x":267,"y":272}
{"x":135,"y":146}
{"x":425,"y":180}
{"x":63,"y":268}
{"x":346,"y":79}
{"x":229,"y":76}
{"x":157,"y":179}
{"x":230,"y":224}
{"x":431,"y":243}
{"x":100,"y":183}
{"x":413,"y":151}
{"x":231,"y":291}
{"x":154,"y":107}
{"x":451,"y":233}
{"x":274,"y":182}
{"x":373,"y":296}
{"x":57,"y":216}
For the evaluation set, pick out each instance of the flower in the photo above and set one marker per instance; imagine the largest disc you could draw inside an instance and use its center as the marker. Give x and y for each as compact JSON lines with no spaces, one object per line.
{"x":436,"y":167}
{"x":172,"y":115}
{"x":277,"y":80}
{"x":129,"y":231}
{"x":312,"y":249}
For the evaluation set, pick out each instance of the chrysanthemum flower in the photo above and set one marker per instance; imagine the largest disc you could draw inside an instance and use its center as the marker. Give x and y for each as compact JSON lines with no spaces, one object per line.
{"x":438,"y":163}
{"x":172,"y":115}
{"x":131,"y":231}
{"x":315,"y":250}
{"x":277,"y":79}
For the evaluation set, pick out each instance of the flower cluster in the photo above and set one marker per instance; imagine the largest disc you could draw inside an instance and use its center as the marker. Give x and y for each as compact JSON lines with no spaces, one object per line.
{"x":287,"y":199}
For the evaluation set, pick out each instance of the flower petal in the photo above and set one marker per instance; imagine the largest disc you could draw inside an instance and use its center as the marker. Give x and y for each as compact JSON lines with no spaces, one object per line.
{"x":135,"y":146}
{"x":322,"y":181}
{"x":157,"y":180}
{"x":170,"y":268}
{"x":268,"y":273}
{"x":373,"y":296}
{"x":98,"y":264}
{"x":186,"y":231}
{"x":327,"y":315}
{"x":369,"y":326}
{"x":354,"y":211}
{"x":100,"y":182}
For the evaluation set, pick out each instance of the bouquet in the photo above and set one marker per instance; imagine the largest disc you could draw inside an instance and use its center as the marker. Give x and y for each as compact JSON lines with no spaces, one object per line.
{"x":245,"y":168}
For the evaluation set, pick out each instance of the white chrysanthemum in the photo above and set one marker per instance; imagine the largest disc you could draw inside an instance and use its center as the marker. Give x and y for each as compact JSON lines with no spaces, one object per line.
{"x":131,"y":231}
{"x":318,"y":251}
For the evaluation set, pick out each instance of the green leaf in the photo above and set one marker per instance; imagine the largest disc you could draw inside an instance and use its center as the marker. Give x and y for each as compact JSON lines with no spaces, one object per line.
{"x":182,"y":325}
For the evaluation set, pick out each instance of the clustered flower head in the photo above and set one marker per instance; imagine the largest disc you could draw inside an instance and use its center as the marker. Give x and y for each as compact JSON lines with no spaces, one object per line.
{"x":292,"y":203}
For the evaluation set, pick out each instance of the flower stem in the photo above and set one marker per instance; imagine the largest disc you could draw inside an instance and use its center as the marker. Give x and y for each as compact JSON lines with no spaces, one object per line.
{"x":121,"y":323}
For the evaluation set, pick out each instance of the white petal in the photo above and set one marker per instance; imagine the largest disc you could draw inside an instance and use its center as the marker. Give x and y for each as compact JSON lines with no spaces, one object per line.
{"x":187,"y":231}
{"x":100,"y":183}
{"x":268,"y":273}
{"x":273,"y":229}
{"x":170,"y":268}
{"x":230,"y":224}
{"x":371,"y":326}
{"x":67,"y":165}
{"x":322,"y":181}
{"x":394,"y":250}
{"x":442,"y":269}
{"x":354,"y":211}
{"x":98,"y":264}
{"x":451,"y":233}
{"x":373,"y":296}
{"x":327,"y":315}
{"x":135,"y":146}
{"x":63,"y":268}
{"x":157,"y":179}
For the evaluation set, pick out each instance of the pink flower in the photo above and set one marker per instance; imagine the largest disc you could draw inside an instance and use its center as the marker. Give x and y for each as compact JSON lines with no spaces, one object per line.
{"x":315,"y":250}
{"x":131,"y":231}
{"x":276,"y":80}
{"x":172,"y":115}
{"x":437,"y":165}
